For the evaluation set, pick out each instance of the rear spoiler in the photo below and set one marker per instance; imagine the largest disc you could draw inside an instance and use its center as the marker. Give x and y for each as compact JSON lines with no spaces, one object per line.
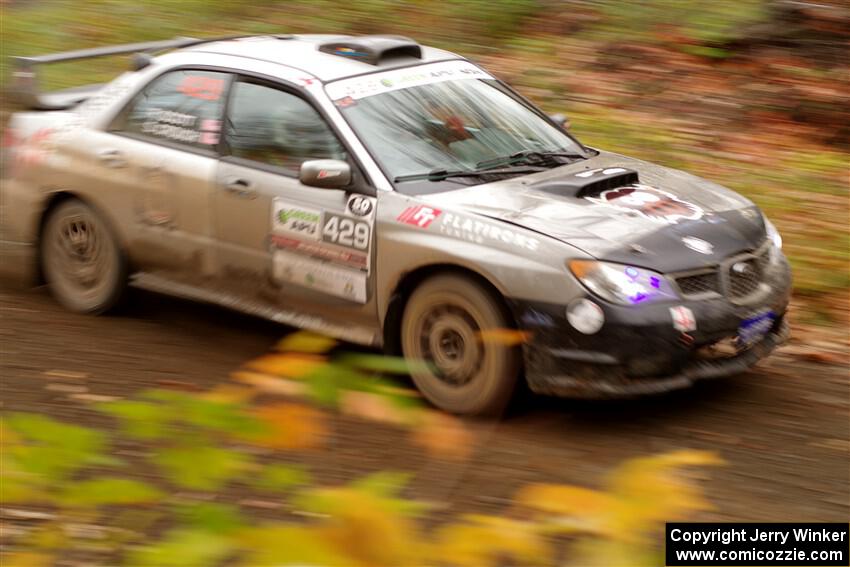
{"x":24,"y":86}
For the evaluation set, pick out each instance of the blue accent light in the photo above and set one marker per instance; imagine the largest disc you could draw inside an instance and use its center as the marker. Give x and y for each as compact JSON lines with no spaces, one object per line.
{"x":632,"y":272}
{"x":655,"y":282}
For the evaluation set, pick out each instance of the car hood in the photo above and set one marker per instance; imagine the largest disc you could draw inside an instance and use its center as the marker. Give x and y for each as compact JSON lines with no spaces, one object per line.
{"x":628,"y":211}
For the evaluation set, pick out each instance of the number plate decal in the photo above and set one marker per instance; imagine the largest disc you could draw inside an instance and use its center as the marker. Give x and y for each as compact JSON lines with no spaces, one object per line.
{"x":753,"y":329}
{"x":350,"y":232}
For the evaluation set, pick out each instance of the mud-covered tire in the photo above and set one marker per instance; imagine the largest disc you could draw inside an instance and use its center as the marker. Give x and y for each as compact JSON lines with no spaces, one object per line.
{"x":81,"y":259}
{"x":452,"y":366}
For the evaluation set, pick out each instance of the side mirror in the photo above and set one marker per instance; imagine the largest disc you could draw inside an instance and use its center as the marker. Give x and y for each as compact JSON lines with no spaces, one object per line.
{"x":561,"y":120}
{"x":325,"y":173}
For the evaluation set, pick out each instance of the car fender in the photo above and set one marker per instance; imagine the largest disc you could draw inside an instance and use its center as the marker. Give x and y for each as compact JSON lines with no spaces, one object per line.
{"x":519,"y":263}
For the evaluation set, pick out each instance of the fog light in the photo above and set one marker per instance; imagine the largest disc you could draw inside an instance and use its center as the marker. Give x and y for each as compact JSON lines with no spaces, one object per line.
{"x":585,"y":316}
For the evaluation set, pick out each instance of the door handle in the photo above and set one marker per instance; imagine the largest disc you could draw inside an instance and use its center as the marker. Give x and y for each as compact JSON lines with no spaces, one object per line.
{"x":111,"y":158}
{"x":240,"y":187}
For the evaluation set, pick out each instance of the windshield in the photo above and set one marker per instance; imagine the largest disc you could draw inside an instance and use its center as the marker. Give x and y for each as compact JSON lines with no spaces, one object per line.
{"x":453,"y":117}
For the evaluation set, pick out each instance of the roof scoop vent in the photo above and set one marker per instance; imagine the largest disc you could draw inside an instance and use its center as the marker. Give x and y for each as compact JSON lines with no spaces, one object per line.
{"x":589,"y":183}
{"x":373,"y":49}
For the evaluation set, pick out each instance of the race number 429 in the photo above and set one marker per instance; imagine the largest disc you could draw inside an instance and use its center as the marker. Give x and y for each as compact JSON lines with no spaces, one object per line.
{"x":346,"y":231}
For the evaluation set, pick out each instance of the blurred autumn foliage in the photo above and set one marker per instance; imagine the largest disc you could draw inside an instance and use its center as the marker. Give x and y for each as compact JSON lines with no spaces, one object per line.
{"x":169,"y":501}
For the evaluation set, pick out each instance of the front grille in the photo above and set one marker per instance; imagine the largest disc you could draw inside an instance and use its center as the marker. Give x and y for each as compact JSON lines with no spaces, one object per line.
{"x":738,"y":277}
{"x":744,"y":277}
{"x":699,"y":284}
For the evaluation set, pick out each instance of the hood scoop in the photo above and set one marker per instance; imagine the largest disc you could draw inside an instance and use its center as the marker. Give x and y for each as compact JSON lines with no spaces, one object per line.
{"x":588,"y":183}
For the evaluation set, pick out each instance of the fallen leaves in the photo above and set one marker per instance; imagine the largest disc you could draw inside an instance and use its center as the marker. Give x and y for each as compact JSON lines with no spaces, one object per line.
{"x":444,"y":436}
{"x":287,"y":365}
{"x":292,"y":426}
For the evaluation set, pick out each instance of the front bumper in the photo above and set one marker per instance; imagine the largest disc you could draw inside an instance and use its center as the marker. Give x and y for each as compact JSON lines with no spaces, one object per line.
{"x":638,"y":351}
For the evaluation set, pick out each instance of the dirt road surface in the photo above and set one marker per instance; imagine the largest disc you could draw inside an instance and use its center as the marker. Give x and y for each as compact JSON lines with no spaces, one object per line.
{"x":784,"y":428}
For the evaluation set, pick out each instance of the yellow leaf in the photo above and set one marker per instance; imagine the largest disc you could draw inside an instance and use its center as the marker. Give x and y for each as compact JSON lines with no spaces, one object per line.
{"x":563,"y":500}
{"x":508,"y":337}
{"x":28,"y":559}
{"x":367,"y":528}
{"x":373,"y":407}
{"x":269,"y":384}
{"x":488,"y":540}
{"x":229,"y":393}
{"x":289,"y":365}
{"x":444,"y":436}
{"x":292,"y":426}
{"x":305,"y":341}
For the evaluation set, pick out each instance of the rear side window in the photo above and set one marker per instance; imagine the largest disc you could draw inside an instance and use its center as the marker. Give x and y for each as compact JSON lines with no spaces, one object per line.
{"x":183,"y":107}
{"x":277,"y":128}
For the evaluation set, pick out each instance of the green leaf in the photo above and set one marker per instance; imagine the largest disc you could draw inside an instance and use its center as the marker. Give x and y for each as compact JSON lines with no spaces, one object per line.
{"x":141,"y":420}
{"x":54,"y":450}
{"x":280,"y":478}
{"x":384,"y":484}
{"x":201,"y":468}
{"x":211,"y":517}
{"x":183,"y":548}
{"x":380,"y":363}
{"x":41,"y":429}
{"x":109,"y":491}
{"x":221,"y":417}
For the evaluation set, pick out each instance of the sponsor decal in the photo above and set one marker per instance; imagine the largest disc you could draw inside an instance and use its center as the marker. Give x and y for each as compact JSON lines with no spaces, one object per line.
{"x":348,"y":52}
{"x":37,"y":149}
{"x":683,"y":319}
{"x":648,"y":202}
{"x":319,"y":275}
{"x":754,"y":329}
{"x":174,"y":126}
{"x":360,"y":205}
{"x":345,"y":102}
{"x":325,"y":173}
{"x":356,"y":260}
{"x":420,"y":215}
{"x":698,"y":244}
{"x":204,"y":88}
{"x":293,"y":219}
{"x":608,"y":171}
{"x":481,"y":232}
{"x":378,"y":83}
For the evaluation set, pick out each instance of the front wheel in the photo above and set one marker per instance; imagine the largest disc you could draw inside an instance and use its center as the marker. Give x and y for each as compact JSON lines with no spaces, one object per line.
{"x":441,"y":332}
{"x":81,"y":259}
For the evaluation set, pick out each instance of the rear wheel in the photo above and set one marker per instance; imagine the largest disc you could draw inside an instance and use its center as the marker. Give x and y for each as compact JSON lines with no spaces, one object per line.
{"x":442,"y":326}
{"x":81,"y":259}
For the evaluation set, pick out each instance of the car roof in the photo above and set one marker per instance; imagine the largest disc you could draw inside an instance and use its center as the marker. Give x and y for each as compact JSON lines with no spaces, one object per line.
{"x":302,"y":52}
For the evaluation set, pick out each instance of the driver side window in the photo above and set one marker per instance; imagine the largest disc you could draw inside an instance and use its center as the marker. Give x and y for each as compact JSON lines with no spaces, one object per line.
{"x":277,"y":128}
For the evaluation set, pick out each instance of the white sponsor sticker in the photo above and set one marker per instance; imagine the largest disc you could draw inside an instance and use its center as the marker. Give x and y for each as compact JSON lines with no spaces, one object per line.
{"x":319,"y":275}
{"x":480,"y":232}
{"x":288,"y":218}
{"x":378,"y":83}
{"x":683,"y":319}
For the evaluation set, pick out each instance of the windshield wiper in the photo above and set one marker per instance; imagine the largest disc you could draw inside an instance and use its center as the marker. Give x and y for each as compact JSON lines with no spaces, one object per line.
{"x":530,"y":157}
{"x":443,"y":174}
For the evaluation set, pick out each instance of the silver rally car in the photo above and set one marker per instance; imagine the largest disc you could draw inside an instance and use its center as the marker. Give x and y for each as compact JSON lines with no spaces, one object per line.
{"x":394,"y":195}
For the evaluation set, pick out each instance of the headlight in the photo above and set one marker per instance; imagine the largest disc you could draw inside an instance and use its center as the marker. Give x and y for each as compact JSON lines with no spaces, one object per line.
{"x":772,"y":233}
{"x":618,"y":283}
